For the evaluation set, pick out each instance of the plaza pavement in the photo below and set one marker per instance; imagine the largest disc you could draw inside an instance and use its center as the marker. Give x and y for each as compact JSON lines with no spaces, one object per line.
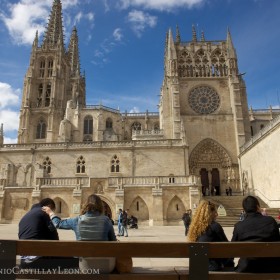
{"x":143,"y":233}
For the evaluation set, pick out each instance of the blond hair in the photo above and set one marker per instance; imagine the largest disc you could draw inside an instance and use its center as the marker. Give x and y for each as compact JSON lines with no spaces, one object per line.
{"x":202,"y":218}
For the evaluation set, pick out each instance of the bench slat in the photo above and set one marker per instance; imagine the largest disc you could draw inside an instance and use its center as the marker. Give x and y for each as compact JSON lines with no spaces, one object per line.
{"x":102,"y":249}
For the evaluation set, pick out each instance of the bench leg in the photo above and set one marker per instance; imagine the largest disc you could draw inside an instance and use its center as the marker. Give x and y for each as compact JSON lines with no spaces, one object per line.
{"x":8,"y":268}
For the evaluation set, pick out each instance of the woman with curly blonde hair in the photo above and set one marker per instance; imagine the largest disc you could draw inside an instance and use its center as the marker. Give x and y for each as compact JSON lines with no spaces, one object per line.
{"x":204,"y":228}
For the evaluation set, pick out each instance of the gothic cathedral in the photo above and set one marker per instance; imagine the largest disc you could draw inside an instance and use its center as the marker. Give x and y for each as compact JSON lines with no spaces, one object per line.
{"x":157,"y":164}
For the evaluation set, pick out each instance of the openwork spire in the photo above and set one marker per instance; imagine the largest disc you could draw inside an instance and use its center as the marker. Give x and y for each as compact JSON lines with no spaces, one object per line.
{"x":202,"y":36}
{"x":194,"y":38}
{"x":178,"y":36}
{"x":73,"y":53}
{"x":54,"y":33}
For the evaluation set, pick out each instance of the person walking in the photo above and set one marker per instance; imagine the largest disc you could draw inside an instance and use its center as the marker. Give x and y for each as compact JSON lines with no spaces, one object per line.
{"x":120,"y":217}
{"x":124,"y":223}
{"x":187,"y":220}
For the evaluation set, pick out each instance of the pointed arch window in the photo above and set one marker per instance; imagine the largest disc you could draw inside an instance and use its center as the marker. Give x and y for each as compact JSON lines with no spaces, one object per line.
{"x":41,"y":129}
{"x":48,"y":95}
{"x":50,"y":67}
{"x":88,"y":125}
{"x":115,"y":164}
{"x":42,"y":68}
{"x":109,"y":123}
{"x":47,"y":164}
{"x":81,"y":165}
{"x":40,"y":94}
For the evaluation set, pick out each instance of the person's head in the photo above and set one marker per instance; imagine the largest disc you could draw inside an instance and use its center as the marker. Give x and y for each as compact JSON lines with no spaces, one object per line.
{"x":93,"y":204}
{"x":251,"y":204}
{"x":120,"y":210}
{"x":48,"y":202}
{"x":205,"y":214}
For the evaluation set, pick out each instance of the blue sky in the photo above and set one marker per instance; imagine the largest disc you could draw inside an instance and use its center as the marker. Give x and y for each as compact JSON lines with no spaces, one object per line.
{"x":122,"y":47}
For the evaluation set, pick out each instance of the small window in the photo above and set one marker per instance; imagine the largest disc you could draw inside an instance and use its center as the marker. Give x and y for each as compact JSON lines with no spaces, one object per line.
{"x":41,"y":130}
{"x":109,"y":123}
{"x":88,"y":125}
{"x":262,"y":126}
{"x":115,"y":164}
{"x":81,"y":165}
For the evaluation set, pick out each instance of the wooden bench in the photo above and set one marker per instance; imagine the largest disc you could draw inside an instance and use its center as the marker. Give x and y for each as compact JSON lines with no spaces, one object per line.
{"x":197,"y":253}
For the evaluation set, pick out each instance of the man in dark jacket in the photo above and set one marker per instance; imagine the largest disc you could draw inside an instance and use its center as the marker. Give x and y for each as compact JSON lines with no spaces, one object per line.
{"x":36,"y":224}
{"x":257,"y":228}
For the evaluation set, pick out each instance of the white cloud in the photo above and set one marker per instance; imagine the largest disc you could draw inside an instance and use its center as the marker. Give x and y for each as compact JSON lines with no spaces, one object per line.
{"x":140,"y":21}
{"x":90,"y":16}
{"x":134,"y":110}
{"x":8,"y":95}
{"x":10,"y":119}
{"x":8,"y":140}
{"x":27,"y":16}
{"x":159,"y":4}
{"x":117,"y":34}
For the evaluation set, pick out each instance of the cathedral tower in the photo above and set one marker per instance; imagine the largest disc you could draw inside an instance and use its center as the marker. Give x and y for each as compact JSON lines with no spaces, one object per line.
{"x":203,"y":102}
{"x":52,"y":79}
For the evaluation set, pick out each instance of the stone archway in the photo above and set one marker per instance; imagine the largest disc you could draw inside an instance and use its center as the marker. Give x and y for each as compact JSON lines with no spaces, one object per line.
{"x":175,"y":210}
{"x":211,"y":159}
{"x":139,"y":209}
{"x":62,"y":208}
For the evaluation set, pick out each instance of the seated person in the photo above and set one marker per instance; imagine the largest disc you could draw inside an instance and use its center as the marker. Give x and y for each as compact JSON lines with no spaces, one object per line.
{"x":91,"y":225}
{"x":36,"y":224}
{"x":204,"y":228}
{"x":256,"y":228}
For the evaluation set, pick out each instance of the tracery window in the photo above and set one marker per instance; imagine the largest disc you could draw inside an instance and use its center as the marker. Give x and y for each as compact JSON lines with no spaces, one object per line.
{"x":204,"y":100}
{"x":115,"y":164}
{"x":41,"y":129}
{"x":50,"y":67}
{"x":47,"y":164}
{"x":156,"y":127}
{"x":88,"y":129}
{"x":81,"y":165}
{"x":40,"y":94}
{"x":48,"y":95}
{"x":42,"y":69}
{"x":136,"y":126}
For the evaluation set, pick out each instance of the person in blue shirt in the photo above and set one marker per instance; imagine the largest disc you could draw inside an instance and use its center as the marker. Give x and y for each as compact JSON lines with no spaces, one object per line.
{"x":91,"y":225}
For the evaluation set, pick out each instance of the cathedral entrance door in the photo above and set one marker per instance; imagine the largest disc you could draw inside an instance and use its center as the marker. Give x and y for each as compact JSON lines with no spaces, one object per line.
{"x":216,"y":181}
{"x":204,"y":181}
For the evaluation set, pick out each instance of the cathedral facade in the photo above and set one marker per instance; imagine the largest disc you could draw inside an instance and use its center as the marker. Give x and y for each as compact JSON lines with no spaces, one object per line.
{"x":156,"y":164}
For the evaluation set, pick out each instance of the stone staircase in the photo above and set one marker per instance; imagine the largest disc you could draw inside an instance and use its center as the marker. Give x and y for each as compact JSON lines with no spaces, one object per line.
{"x":233,"y":208}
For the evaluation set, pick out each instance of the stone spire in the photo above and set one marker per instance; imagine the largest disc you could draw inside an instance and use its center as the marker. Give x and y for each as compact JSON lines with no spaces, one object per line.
{"x":73,"y":53}
{"x":54,"y":33}
{"x":171,"y":51}
{"x":194,"y":38}
{"x":1,"y":135}
{"x":202,"y":36}
{"x":230,"y":47}
{"x":178,"y":36}
{"x":36,"y":39}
